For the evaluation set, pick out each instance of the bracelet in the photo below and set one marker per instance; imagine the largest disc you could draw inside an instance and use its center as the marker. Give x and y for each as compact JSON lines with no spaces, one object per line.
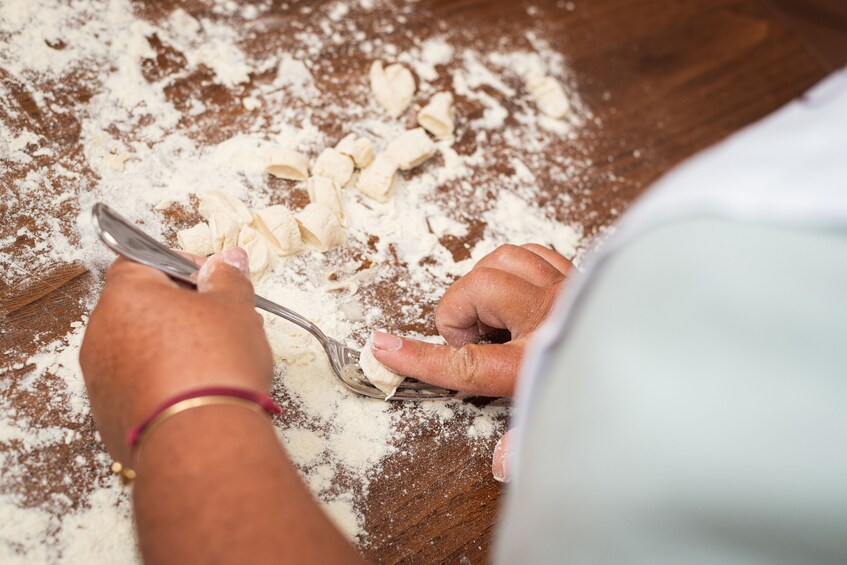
{"x":260,"y":403}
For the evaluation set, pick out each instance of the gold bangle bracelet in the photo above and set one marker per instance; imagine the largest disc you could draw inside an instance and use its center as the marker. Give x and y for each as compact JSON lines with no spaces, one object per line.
{"x":128,"y":474}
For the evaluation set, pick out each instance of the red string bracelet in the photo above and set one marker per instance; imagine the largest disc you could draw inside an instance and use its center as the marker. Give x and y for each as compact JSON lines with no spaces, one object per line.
{"x":191,"y":399}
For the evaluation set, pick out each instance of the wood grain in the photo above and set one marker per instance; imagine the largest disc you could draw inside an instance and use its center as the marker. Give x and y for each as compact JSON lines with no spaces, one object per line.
{"x":664,"y":79}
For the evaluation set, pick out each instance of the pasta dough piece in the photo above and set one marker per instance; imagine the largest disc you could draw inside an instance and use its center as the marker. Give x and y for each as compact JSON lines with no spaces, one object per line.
{"x":196,"y":240}
{"x":323,"y":190}
{"x":548,"y":95}
{"x":287,"y":164}
{"x":258,"y":251}
{"x":224,"y":230}
{"x":393,"y":87}
{"x":319,"y":227}
{"x":411,"y":149}
{"x":378,"y":374}
{"x":439,"y":116}
{"x":278,"y":226}
{"x":217,"y":202}
{"x":360,"y":149}
{"x":334,"y":165}
{"x":376,"y":180}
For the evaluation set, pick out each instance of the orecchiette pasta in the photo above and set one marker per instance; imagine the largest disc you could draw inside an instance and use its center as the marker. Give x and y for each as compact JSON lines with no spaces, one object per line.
{"x":548,"y":95}
{"x":360,"y":149}
{"x":411,"y":149}
{"x":378,"y":374}
{"x":278,"y":226}
{"x":224,"y":231}
{"x":392,"y":86}
{"x":287,"y":164}
{"x":196,"y":240}
{"x":258,"y":251}
{"x":438,"y":117}
{"x":334,"y":165}
{"x":319,"y":227}
{"x":376,"y":180}
{"x":217,"y":202}
{"x":323,"y":190}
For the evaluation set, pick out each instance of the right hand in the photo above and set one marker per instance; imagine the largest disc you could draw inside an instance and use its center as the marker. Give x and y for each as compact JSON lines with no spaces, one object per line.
{"x":512,"y":288}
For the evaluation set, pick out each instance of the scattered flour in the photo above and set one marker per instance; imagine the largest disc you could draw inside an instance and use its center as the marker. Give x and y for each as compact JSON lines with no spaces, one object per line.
{"x":148,"y":146}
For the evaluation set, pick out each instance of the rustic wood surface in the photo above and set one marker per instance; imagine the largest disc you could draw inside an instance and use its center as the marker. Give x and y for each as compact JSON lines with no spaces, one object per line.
{"x":665,"y":78}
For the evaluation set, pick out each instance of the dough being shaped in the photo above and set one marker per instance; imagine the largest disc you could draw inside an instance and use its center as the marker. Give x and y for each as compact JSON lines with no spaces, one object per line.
{"x":258,"y":251}
{"x":196,"y":240}
{"x":334,"y":165}
{"x":278,"y":226}
{"x":393,"y":87}
{"x":548,"y":95}
{"x":378,"y":374}
{"x":287,"y":164}
{"x":411,"y":149}
{"x":376,"y":180}
{"x":360,"y":149}
{"x":319,"y":227}
{"x":323,"y":190}
{"x":217,"y":202}
{"x":224,"y":230}
{"x":439,"y":116}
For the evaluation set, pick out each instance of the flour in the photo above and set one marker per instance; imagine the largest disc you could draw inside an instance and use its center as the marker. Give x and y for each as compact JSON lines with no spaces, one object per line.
{"x":149,"y":146}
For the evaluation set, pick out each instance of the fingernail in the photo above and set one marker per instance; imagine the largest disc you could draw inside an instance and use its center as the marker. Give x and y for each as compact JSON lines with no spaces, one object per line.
{"x":386,"y":342}
{"x":237,"y":257}
{"x":500,"y":463}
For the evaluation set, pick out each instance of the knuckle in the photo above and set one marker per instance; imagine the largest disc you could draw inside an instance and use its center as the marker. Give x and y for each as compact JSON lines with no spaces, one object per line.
{"x":464,"y":363}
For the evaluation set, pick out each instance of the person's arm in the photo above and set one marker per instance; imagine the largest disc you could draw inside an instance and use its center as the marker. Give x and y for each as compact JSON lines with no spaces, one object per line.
{"x":213,"y":483}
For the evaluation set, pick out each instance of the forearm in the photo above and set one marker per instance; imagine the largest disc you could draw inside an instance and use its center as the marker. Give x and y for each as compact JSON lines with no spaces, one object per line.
{"x":215,"y":485}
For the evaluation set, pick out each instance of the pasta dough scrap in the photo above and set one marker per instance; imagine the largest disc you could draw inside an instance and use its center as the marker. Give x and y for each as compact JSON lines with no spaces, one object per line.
{"x":278,"y":226}
{"x":393,"y":87}
{"x":438,"y":117}
{"x":333,"y":164}
{"x":224,"y":230}
{"x":259,"y":253}
{"x":411,"y":148}
{"x":196,"y":240}
{"x":323,"y":190}
{"x":320,"y":227}
{"x":360,"y":149}
{"x":287,"y":164}
{"x":378,"y":374}
{"x":218,"y":202}
{"x":548,"y":95}
{"x":377,"y":179}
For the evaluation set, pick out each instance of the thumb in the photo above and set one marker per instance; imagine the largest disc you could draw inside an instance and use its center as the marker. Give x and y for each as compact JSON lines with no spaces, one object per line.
{"x":501,"y":462}
{"x":226,"y":273}
{"x":489,"y":370}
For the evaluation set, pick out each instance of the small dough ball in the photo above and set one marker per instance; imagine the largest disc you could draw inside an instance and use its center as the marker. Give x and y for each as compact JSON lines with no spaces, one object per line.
{"x":196,"y":240}
{"x":224,"y":230}
{"x":439,"y":116}
{"x":334,"y":165}
{"x":548,"y":95}
{"x":320,"y":227}
{"x":217,"y":202}
{"x":258,"y":251}
{"x":323,"y":190}
{"x":360,"y":149}
{"x":278,"y":226}
{"x":378,"y":374}
{"x":392,"y":86}
{"x":287,"y":164}
{"x":377,"y":179}
{"x":411,"y":148}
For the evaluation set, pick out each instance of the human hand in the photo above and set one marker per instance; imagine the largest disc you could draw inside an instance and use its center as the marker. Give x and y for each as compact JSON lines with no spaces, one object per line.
{"x":150,"y":339}
{"x":512,"y":288}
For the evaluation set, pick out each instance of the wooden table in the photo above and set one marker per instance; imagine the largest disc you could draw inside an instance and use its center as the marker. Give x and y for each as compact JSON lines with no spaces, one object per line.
{"x":665,"y":78}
